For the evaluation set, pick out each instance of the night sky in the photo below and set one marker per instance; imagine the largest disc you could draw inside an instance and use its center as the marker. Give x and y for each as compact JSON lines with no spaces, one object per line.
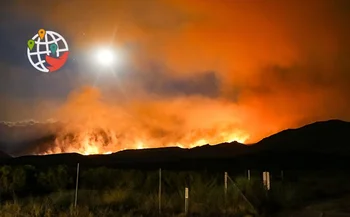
{"x":188,"y":69}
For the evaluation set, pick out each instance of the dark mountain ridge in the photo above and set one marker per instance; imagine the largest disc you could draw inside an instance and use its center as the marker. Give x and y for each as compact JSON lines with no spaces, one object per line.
{"x":320,"y":145}
{"x":322,"y":136}
{"x":4,"y":156}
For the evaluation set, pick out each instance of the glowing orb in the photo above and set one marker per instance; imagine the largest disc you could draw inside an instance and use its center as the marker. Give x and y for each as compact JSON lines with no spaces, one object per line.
{"x":105,"y":57}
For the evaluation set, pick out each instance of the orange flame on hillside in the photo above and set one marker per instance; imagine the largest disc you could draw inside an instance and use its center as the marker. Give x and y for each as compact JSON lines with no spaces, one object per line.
{"x":92,"y":126}
{"x":89,"y":143}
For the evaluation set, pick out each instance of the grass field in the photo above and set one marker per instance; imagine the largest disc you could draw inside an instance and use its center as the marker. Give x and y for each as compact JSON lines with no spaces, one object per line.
{"x":30,"y":191}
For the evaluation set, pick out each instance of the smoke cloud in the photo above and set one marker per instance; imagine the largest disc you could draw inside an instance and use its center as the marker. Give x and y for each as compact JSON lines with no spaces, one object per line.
{"x":208,"y":71}
{"x":102,"y":126}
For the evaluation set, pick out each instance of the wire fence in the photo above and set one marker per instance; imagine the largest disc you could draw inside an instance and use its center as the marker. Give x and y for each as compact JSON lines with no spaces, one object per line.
{"x":163,"y":192}
{"x":228,"y":184}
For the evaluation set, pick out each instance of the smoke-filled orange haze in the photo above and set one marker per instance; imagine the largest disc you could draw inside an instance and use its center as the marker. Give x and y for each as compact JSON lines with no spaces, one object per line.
{"x":198,"y":72}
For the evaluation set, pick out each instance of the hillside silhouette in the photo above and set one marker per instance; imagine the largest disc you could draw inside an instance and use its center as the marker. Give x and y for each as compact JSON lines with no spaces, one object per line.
{"x":4,"y":156}
{"x":320,"y":145}
{"x":324,"y":136}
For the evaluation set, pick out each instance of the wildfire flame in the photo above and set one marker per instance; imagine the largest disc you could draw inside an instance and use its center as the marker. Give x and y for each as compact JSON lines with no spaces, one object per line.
{"x":106,"y":142}
{"x":93,"y":126}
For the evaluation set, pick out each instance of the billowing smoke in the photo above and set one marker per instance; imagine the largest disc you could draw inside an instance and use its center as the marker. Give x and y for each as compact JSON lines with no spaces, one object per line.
{"x":92,"y":125}
{"x":225,"y":70}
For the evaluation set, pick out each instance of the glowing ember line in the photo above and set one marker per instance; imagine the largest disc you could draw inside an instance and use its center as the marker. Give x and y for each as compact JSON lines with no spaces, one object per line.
{"x":106,"y":142}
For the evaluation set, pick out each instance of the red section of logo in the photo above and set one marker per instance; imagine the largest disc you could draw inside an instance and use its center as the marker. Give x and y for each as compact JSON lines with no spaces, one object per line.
{"x":56,"y":63}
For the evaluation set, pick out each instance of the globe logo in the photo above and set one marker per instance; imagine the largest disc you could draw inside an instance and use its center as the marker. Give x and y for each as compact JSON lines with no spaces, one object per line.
{"x":47,"y":51}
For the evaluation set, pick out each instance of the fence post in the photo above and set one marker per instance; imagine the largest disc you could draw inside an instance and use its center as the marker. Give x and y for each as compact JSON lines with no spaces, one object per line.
{"x":282,"y":175}
{"x":160,"y":191}
{"x":266,"y":180}
{"x":225,"y":180}
{"x":186,"y":201}
{"x":248,"y":175}
{"x":225,"y":191}
{"x":76,"y":187}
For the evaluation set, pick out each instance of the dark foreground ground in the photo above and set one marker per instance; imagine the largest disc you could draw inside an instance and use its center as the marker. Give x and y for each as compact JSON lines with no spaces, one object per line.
{"x":50,"y":191}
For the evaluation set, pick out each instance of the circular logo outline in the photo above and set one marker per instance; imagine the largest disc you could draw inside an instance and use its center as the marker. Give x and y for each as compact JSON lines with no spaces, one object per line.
{"x":47,"y":52}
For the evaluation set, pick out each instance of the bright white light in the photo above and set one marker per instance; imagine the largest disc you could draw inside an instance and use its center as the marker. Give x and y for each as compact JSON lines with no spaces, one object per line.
{"x":105,"y":57}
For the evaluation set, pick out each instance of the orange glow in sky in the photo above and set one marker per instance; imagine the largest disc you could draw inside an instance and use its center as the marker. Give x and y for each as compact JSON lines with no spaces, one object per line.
{"x":274,"y":65}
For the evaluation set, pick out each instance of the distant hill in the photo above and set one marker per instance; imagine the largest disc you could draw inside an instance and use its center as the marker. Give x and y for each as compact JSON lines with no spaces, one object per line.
{"x":319,"y":145}
{"x":4,"y":156}
{"x":331,"y":136}
{"x":15,"y":136}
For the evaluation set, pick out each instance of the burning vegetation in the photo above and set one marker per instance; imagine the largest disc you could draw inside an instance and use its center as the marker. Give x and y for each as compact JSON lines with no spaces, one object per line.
{"x":92,"y":126}
{"x":101,"y":141}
